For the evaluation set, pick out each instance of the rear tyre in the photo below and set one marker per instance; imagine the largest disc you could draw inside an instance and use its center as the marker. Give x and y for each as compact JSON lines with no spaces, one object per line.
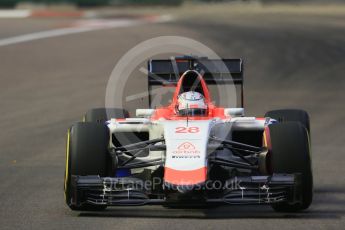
{"x":287,"y":115}
{"x":86,"y":154}
{"x":101,"y":115}
{"x":290,"y":153}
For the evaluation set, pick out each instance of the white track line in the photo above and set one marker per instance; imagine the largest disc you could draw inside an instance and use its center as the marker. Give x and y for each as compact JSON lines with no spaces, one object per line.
{"x":41,"y":35}
{"x":15,"y":13}
{"x":80,"y":27}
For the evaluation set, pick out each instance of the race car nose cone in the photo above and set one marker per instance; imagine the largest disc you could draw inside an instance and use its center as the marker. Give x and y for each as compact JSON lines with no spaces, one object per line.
{"x":184,"y":194}
{"x":185,"y":188}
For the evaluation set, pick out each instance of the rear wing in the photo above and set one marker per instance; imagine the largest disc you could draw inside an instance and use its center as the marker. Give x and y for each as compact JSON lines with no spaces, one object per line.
{"x":215,"y":71}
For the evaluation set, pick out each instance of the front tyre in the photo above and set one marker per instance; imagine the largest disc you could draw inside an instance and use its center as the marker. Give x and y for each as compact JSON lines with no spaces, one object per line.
{"x":86,"y":154}
{"x":290,"y":153}
{"x":288,"y":115}
{"x":101,"y":115}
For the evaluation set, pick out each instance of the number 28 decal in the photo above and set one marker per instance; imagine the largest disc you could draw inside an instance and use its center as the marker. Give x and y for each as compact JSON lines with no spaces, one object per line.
{"x":187,"y":130}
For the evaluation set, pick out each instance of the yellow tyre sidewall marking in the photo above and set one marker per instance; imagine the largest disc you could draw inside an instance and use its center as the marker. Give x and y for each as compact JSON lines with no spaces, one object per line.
{"x":265,"y":139}
{"x":67,"y":162}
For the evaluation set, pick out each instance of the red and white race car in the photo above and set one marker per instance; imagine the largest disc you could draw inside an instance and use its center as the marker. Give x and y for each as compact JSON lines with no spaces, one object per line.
{"x":190,"y":152}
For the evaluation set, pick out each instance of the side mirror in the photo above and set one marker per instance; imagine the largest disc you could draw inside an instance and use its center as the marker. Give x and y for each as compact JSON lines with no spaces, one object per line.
{"x":144,"y":112}
{"x":234,"y":112}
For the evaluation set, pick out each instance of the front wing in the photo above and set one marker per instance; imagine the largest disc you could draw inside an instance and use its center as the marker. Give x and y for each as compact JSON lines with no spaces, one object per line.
{"x":112,"y":191}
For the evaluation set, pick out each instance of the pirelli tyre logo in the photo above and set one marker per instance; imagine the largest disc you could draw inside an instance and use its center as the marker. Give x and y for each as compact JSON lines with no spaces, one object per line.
{"x":186,"y":150}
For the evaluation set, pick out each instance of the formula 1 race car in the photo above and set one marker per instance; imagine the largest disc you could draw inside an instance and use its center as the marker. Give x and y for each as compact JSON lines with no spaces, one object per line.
{"x":190,"y":152}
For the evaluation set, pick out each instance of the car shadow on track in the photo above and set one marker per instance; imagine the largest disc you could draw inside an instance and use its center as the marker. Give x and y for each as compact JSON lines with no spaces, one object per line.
{"x":329,"y":203}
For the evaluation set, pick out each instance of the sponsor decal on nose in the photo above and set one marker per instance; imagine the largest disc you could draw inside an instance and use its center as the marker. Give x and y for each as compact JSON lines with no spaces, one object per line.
{"x":186,"y":150}
{"x":186,"y":146}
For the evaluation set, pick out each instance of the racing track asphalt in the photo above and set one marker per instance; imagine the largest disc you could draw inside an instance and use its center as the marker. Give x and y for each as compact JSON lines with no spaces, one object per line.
{"x":291,"y":60}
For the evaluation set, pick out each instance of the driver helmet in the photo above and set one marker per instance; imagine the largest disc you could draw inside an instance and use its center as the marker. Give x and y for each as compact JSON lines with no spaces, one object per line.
{"x":191,"y":103}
